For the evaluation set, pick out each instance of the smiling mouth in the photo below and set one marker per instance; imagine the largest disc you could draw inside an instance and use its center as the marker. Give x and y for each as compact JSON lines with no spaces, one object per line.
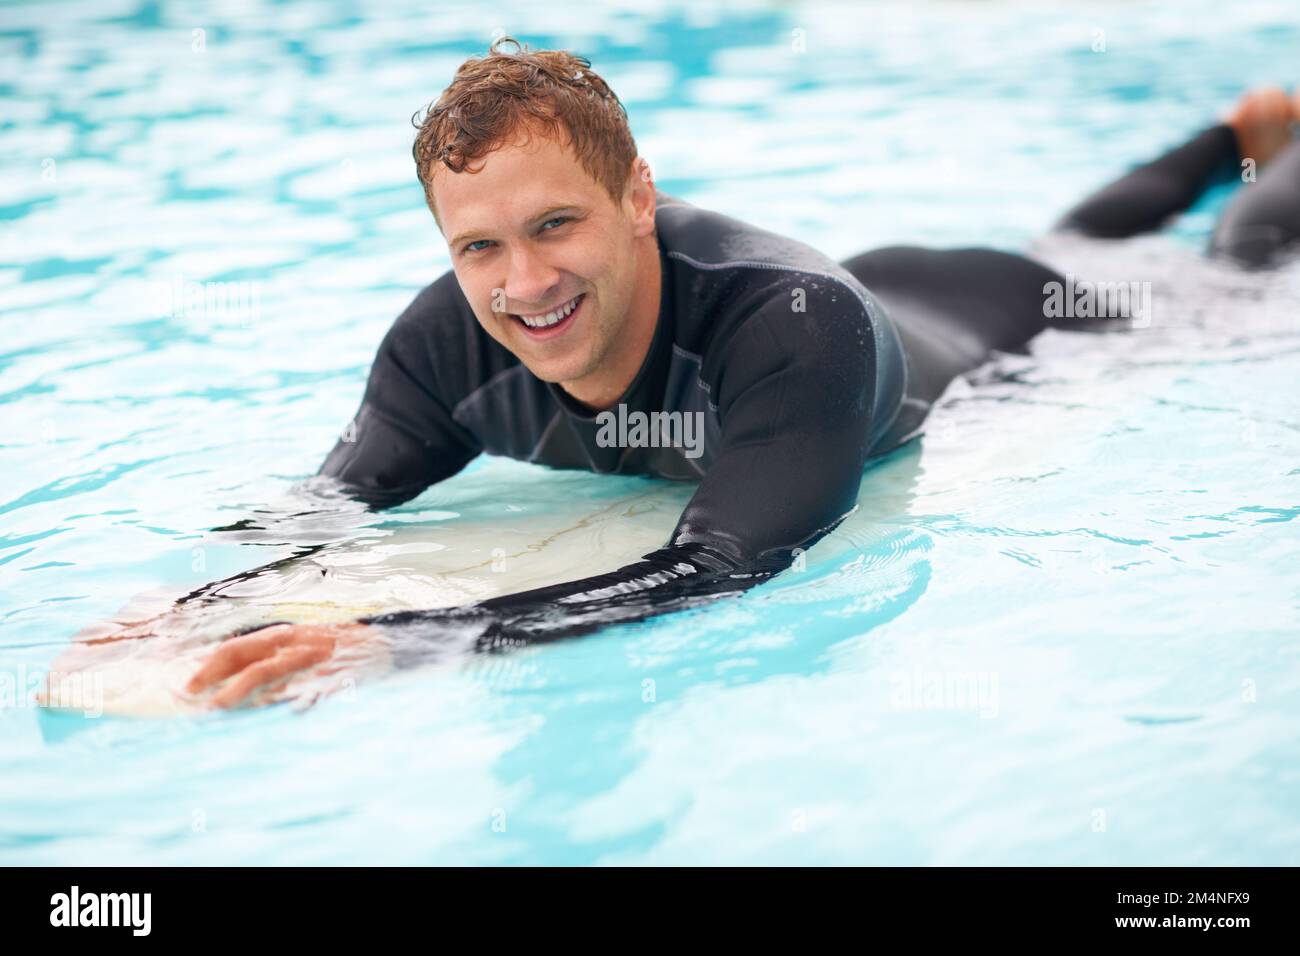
{"x":550,"y":323}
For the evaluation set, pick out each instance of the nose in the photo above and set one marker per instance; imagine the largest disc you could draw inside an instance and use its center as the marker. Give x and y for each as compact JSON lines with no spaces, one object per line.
{"x":530,"y":281}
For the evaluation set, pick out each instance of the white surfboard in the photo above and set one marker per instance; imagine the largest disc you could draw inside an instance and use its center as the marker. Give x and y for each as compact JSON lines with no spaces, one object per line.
{"x":481,"y":535}
{"x":483,"y":547}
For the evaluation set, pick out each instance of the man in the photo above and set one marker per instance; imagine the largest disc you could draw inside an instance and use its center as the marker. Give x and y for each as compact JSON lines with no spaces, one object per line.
{"x":577,"y":288}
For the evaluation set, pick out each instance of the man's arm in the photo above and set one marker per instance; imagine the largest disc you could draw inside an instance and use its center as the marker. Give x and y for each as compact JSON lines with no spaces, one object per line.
{"x":403,"y":437}
{"x":796,"y":401}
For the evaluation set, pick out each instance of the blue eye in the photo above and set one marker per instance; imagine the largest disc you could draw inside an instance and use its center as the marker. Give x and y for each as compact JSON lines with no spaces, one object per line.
{"x":469,"y":246}
{"x":559,"y":219}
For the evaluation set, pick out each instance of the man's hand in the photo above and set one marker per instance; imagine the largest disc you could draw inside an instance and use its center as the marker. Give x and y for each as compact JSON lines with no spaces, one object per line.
{"x":271,"y":656}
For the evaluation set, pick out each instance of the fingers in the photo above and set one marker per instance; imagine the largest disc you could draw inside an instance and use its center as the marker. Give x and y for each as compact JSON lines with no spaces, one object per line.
{"x":285,"y":662}
{"x":269,"y":656}
{"x":236,"y":654}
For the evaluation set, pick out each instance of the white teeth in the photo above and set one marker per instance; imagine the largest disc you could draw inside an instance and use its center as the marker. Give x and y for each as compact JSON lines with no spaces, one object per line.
{"x":550,"y":318}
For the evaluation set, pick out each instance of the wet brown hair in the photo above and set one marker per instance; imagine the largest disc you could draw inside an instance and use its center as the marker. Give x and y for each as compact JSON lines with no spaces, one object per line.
{"x":495,"y":97}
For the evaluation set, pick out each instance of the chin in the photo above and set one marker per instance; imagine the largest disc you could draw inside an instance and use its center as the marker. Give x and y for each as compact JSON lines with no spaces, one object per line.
{"x":553,"y":371}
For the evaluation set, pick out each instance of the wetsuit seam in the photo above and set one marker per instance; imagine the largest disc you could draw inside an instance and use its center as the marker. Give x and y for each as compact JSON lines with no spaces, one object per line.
{"x":532,"y":455}
{"x":698,"y":361}
{"x":872,"y":318}
{"x":699,"y":378}
{"x":498,"y":377}
{"x":782,"y":267}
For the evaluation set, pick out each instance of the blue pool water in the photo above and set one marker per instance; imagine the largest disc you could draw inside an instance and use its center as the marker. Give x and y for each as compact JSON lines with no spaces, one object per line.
{"x":1061,"y":629}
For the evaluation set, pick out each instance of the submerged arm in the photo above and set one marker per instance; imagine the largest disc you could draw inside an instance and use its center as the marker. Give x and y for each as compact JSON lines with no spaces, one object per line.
{"x":402,"y":439}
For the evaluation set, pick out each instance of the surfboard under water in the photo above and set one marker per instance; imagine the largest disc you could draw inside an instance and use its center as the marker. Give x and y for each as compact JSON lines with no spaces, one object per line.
{"x":479,"y":544}
{"x":498,"y":528}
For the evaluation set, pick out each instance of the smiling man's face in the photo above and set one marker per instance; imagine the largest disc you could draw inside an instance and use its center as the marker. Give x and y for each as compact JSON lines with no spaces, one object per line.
{"x":554,"y":269}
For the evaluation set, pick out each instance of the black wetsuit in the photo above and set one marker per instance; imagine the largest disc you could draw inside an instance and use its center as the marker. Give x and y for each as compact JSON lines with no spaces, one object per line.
{"x":800,"y":368}
{"x":795,"y":369}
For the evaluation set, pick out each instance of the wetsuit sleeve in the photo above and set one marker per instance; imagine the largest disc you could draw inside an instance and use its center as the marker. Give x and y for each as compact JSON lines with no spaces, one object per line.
{"x":795,"y":401}
{"x":403,"y":437}
{"x":1142,"y":199}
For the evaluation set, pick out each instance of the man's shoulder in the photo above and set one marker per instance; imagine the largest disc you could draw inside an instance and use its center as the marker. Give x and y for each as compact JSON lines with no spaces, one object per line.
{"x":714,"y":241}
{"x":440,"y":307}
{"x":438,"y":333}
{"x":727,"y":271}
{"x":748,"y":298}
{"x":708,"y":244}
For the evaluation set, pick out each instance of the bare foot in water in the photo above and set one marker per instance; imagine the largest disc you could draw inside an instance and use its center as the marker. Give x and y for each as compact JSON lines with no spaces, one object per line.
{"x":1262,"y":121}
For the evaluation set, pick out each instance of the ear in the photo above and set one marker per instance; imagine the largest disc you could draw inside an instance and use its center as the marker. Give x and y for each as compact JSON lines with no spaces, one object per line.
{"x":639,"y":197}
